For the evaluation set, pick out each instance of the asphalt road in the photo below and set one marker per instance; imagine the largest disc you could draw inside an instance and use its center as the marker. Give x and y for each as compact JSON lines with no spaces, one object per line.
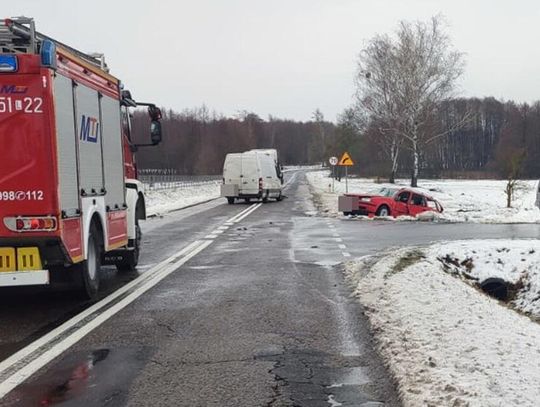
{"x":255,"y":312}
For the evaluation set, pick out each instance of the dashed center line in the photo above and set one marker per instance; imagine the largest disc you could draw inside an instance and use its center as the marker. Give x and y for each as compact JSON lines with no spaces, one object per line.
{"x":338,"y":239}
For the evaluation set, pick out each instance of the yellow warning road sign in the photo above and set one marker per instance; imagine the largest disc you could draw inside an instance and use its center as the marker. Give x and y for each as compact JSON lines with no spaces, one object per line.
{"x":346,"y":160}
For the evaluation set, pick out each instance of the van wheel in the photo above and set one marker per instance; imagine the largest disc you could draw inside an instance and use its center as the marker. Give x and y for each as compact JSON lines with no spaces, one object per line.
{"x":230,"y":200}
{"x":279,"y":198}
{"x":89,"y":269}
{"x":247,"y":200}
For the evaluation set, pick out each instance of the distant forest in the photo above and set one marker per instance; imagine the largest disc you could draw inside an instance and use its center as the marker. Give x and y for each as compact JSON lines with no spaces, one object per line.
{"x":196,"y":141}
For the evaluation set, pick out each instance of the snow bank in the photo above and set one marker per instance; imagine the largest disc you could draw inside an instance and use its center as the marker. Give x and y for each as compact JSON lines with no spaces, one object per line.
{"x":517,"y":262}
{"x":446,"y":343}
{"x":163,"y":201}
{"x":480,"y":201}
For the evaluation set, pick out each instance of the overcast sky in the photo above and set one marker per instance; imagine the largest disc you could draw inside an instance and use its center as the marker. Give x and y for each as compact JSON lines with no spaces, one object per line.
{"x":283,"y":57}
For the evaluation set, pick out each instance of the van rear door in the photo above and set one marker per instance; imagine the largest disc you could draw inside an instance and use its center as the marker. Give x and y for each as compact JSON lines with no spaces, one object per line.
{"x":232,"y":169}
{"x":250,"y":174}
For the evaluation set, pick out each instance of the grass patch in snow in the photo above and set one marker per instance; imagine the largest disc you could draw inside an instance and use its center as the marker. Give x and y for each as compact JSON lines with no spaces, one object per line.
{"x":406,"y":260}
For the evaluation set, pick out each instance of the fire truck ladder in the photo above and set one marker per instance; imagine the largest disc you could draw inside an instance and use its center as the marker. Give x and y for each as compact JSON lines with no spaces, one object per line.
{"x":19,"y":35}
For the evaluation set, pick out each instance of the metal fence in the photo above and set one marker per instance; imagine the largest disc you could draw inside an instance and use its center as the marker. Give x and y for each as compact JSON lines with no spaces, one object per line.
{"x":156,"y":182}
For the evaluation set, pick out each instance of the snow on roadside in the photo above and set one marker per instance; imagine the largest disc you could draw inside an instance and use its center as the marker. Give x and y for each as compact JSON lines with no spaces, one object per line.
{"x":446,"y":343}
{"x":163,"y":201}
{"x":477,"y":201}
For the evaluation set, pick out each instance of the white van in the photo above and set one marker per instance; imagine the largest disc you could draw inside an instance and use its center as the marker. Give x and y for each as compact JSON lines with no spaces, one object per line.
{"x":250,"y":175}
{"x":272,"y":152}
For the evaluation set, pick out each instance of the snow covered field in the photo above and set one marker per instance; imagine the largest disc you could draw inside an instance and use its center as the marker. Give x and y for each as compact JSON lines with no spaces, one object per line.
{"x":166,"y":200}
{"x":445,"y":342}
{"x":481,"y":201}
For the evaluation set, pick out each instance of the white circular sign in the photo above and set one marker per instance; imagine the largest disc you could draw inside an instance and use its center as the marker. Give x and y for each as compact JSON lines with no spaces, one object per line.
{"x":333,"y":160}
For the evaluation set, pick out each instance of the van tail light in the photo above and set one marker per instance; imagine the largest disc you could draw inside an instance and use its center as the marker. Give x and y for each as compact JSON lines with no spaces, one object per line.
{"x":31,"y":224}
{"x":260,"y":184}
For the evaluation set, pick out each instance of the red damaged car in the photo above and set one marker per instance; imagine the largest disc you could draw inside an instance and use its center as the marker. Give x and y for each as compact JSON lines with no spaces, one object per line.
{"x":388,"y":202}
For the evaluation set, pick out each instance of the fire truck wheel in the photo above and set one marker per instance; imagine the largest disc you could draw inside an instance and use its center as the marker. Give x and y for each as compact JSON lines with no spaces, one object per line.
{"x":131,"y":261}
{"x":90,"y":268}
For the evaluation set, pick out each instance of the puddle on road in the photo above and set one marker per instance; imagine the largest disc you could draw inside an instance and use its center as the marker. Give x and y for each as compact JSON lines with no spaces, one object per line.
{"x":95,"y":378}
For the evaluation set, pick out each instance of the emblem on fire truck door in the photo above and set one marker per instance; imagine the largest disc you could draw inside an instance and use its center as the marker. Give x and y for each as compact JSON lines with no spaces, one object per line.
{"x":89,"y":129}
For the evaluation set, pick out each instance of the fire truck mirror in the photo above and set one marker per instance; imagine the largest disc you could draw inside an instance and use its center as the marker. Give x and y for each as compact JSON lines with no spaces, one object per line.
{"x":155,"y":132}
{"x":154,"y":113}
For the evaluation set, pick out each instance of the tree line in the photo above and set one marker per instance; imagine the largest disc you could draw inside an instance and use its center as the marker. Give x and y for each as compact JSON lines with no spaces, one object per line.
{"x":495,"y":134}
{"x":196,"y":142}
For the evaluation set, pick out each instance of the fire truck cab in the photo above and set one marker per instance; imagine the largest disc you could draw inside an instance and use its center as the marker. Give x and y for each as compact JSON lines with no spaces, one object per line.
{"x":69,"y":196}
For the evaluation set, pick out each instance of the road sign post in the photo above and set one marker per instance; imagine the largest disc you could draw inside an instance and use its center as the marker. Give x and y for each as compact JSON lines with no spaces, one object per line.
{"x":346,"y":181}
{"x":333,"y":161}
{"x":346,"y":161}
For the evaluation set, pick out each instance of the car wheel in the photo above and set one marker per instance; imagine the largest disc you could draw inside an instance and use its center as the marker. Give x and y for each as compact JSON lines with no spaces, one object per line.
{"x":279,"y":198}
{"x":230,"y":200}
{"x":383,"y":211}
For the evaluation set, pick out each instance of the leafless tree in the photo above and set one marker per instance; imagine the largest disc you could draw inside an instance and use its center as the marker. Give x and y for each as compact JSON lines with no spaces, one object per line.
{"x":402,"y":81}
{"x":514,"y":166}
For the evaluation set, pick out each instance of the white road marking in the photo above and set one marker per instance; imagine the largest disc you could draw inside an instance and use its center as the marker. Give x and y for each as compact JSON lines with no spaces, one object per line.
{"x":335,"y":234}
{"x":290,"y":181}
{"x":21,"y":365}
{"x":146,"y":266}
{"x":217,"y":232}
{"x":223,"y":227}
{"x":246,"y":214}
{"x":338,"y":239}
{"x":231,"y":220}
{"x":14,"y":370}
{"x":342,"y":246}
{"x":346,"y":254}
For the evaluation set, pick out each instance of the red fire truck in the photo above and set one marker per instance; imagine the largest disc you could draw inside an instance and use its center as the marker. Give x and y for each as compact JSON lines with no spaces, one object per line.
{"x":69,"y":196}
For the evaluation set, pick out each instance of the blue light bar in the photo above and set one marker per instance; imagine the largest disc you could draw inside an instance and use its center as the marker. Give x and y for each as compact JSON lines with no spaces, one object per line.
{"x":48,"y":54}
{"x":8,"y":63}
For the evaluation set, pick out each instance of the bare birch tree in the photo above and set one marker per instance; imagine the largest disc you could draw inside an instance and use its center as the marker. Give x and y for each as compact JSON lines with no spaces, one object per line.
{"x":403,"y":80}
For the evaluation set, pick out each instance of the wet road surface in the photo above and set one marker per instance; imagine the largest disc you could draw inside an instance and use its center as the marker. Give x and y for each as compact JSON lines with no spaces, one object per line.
{"x":260,"y":317}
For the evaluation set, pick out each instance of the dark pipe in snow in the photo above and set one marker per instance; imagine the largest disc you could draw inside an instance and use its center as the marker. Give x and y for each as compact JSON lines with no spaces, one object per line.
{"x":496,"y":288}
